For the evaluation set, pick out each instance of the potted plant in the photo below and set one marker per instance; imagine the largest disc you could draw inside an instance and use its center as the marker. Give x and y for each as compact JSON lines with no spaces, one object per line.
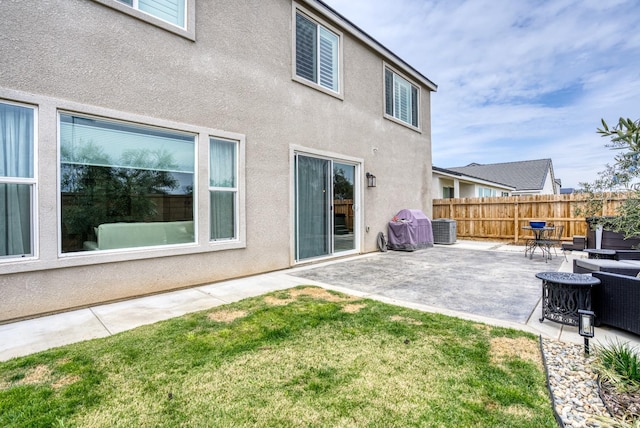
{"x":619,"y":181}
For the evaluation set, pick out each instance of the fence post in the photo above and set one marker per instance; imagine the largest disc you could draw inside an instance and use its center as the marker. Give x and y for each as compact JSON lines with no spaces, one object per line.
{"x":515,"y":222}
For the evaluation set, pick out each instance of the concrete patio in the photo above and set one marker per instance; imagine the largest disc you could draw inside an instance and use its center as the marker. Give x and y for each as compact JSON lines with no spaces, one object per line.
{"x":486,"y":282}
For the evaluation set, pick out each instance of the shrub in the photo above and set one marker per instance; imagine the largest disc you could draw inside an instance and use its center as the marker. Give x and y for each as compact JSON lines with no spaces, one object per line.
{"x":620,"y":363}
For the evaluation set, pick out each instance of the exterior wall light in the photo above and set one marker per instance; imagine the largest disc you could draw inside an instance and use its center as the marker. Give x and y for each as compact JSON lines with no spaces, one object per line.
{"x":585,"y":327}
{"x":371,"y":180}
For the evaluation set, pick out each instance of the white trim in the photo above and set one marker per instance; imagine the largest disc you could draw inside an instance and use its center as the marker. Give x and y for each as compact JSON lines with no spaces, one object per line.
{"x":324,"y":154}
{"x":144,"y":125}
{"x":188,"y":31}
{"x":321,"y":23}
{"x":235,"y":190}
{"x":418,"y":128}
{"x":33,"y":182}
{"x":370,"y":42}
{"x":48,"y":251}
{"x":358,"y":201}
{"x":473,"y":180}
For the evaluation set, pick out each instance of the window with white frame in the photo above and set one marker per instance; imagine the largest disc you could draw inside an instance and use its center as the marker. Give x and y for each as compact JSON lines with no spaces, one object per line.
{"x":17,"y":180}
{"x":223,"y":188}
{"x":486,"y":192}
{"x":317,"y":53}
{"x":401,"y":98}
{"x":171,"y":11}
{"x":124,"y":185}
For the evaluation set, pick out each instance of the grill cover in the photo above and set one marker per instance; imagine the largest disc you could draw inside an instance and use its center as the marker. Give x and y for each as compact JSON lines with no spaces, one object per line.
{"x":410,"y":230}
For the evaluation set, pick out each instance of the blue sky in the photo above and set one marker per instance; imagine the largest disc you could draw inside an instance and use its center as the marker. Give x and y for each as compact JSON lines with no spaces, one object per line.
{"x":517,"y":79}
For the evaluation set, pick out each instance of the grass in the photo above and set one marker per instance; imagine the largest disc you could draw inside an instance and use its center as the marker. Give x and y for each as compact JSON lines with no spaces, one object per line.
{"x":303,"y":357}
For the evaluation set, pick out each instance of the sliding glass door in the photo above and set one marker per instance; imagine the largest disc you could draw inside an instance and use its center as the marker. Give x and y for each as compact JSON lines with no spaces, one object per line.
{"x":312,"y":207}
{"x":324,"y":207}
{"x":343,"y":203}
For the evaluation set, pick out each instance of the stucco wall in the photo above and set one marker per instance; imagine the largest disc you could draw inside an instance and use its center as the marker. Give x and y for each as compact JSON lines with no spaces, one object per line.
{"x":237,"y":78}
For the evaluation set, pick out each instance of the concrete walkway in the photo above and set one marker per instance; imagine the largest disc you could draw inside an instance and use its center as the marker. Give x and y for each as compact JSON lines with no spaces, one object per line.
{"x":481,"y":281}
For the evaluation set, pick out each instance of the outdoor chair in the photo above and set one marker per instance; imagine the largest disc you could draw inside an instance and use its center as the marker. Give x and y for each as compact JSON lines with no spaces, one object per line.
{"x":578,"y":243}
{"x":615,"y":301}
{"x":627,"y":255}
{"x":554,"y":240}
{"x":605,"y":265}
{"x":541,"y":236}
{"x":529,"y":246}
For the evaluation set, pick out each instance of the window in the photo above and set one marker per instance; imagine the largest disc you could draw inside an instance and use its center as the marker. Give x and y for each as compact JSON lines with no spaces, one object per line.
{"x":171,"y":11}
{"x":486,"y":192}
{"x":448,"y":192}
{"x":17,"y":180}
{"x":175,"y":16}
{"x":401,"y":98}
{"x":223,"y":188}
{"x":317,"y":50}
{"x":124,"y":185}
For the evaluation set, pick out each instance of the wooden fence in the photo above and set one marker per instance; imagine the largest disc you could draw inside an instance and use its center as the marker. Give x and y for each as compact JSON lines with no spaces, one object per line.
{"x":344,"y":207}
{"x":502,"y":218}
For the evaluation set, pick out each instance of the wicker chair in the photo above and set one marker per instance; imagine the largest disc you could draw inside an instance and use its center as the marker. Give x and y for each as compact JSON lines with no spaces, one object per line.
{"x":604,"y":265}
{"x":627,"y":255}
{"x":616,"y":301}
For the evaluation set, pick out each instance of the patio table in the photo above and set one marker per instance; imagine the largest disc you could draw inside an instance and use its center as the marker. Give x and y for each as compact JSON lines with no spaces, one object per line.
{"x":539,"y":234}
{"x":564,"y":294}
{"x":600,"y":254}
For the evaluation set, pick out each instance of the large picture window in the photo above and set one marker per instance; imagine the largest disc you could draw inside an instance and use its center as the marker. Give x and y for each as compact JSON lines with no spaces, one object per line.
{"x":317,"y":53}
{"x":17,"y":180}
{"x":401,"y":98}
{"x":223,"y":188}
{"x":124,"y":185}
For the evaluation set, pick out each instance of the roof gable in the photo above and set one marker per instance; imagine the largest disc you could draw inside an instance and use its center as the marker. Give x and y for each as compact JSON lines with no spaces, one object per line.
{"x":523,"y":175}
{"x":470,"y":178}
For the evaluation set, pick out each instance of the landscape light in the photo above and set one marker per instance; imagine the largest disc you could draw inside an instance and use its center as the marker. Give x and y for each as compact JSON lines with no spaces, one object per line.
{"x":585,"y":326}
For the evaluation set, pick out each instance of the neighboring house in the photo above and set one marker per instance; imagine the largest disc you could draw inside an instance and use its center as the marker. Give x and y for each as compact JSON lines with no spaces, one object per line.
{"x":146,"y":149}
{"x":451,"y":184}
{"x":532,"y":177}
{"x":567,"y":191}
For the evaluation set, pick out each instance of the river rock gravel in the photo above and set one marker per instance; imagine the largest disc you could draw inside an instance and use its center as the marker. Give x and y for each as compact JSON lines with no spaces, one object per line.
{"x":574,"y":385}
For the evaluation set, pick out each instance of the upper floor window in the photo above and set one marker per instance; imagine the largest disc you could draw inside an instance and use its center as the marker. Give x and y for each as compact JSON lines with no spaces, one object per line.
{"x":171,"y":11}
{"x":124,"y":185}
{"x":17,"y":180}
{"x":175,"y":16}
{"x":317,"y":53}
{"x":401,"y":98}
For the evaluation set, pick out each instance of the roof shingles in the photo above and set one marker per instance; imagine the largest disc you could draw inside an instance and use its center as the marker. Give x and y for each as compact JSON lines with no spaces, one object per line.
{"x":523,"y":175}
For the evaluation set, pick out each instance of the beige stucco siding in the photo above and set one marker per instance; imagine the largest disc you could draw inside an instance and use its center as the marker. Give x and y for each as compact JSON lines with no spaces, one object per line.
{"x":236,"y":78}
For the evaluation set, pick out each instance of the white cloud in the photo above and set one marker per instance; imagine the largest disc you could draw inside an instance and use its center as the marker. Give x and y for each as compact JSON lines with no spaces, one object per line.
{"x":516,"y":80}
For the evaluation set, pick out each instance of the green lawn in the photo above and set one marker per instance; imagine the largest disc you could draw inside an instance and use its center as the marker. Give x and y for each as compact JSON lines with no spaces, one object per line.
{"x":303,"y":357}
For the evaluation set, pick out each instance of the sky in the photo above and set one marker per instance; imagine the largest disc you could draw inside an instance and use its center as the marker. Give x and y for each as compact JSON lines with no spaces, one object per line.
{"x":517,"y":79}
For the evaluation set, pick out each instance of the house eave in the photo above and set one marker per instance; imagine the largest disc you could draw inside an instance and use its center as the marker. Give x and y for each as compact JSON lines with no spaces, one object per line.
{"x":470,"y":179}
{"x":361,"y":35}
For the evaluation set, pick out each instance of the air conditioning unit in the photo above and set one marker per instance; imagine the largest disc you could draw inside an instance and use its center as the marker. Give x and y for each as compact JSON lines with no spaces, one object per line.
{"x":444,"y":231}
